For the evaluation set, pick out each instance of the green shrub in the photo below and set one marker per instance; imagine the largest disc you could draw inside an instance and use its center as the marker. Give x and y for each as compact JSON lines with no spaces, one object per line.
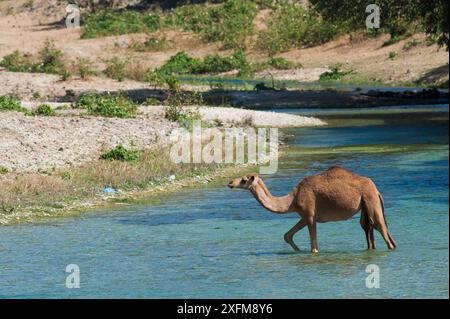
{"x":392,"y":55}
{"x":176,"y":111}
{"x":263,"y":87}
{"x":247,"y":71}
{"x":152,"y":101}
{"x":17,"y":62}
{"x":294,"y":26}
{"x":3,"y":169}
{"x":107,"y":105}
{"x":50,"y":60}
{"x":191,"y":17}
{"x":116,"y":68}
{"x":65,"y":75}
{"x":335,"y":73}
{"x":10,"y":103}
{"x":180,"y":63}
{"x":120,"y":153}
{"x":410,"y":44}
{"x":107,"y":23}
{"x":172,"y":82}
{"x":235,"y":24}
{"x":229,"y":23}
{"x":280,"y":63}
{"x":43,"y":110}
{"x":214,"y":64}
{"x":36,"y":95}
{"x":151,"y":44}
{"x":84,"y":68}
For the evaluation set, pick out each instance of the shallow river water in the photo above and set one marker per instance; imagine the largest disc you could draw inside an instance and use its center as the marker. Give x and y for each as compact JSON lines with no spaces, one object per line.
{"x":212,"y":242}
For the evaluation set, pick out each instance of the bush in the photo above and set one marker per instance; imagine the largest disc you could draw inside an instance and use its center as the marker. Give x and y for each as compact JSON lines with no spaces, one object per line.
{"x":410,"y":44}
{"x":107,"y":23}
{"x":151,"y":44}
{"x":116,"y":69}
{"x":399,"y":17}
{"x":84,"y":68}
{"x":294,"y":26}
{"x":10,"y":103}
{"x":191,"y":17}
{"x":36,"y":95}
{"x":335,"y":73}
{"x":229,"y":23}
{"x":17,"y":62}
{"x":280,"y":63}
{"x":152,"y":101}
{"x":107,"y":105}
{"x":120,"y":153}
{"x":392,"y":55}
{"x":50,"y":60}
{"x":3,"y":169}
{"x":246,"y":71}
{"x":176,"y":112}
{"x":261,"y":86}
{"x":43,"y":110}
{"x":180,"y":63}
{"x":216,"y":64}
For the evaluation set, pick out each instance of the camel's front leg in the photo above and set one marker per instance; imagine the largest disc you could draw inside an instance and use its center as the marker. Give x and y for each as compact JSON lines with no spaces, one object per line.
{"x":288,"y":237}
{"x":312,"y":227}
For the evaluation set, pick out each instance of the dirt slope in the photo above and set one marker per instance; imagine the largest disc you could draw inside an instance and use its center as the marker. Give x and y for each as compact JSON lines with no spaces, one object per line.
{"x":26,"y":29}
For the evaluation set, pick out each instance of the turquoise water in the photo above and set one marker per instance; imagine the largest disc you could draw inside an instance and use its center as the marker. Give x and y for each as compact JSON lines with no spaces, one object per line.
{"x":212,"y":242}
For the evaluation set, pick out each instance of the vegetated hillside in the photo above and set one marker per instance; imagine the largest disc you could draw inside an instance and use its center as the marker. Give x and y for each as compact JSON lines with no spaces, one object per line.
{"x":132,"y":43}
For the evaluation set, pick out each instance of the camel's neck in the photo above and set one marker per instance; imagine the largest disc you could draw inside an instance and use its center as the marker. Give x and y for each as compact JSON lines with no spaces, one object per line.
{"x":279,"y":205}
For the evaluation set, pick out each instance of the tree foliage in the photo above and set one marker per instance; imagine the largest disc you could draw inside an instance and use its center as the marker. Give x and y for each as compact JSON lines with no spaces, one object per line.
{"x":397,"y":16}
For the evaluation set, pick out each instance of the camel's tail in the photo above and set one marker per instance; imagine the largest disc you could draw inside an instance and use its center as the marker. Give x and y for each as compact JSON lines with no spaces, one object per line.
{"x":382,"y":207}
{"x":385,"y":220}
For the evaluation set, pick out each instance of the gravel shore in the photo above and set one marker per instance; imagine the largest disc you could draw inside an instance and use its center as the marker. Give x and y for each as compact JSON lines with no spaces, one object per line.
{"x":32,"y":143}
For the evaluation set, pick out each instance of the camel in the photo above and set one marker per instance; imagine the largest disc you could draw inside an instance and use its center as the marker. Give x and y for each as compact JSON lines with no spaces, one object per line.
{"x":334,"y":195}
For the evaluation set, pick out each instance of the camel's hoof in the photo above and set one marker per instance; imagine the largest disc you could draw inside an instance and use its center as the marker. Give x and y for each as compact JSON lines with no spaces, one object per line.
{"x":314,"y":251}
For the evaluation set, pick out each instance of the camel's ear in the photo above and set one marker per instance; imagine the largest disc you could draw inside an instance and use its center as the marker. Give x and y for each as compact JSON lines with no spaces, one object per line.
{"x":252,"y":178}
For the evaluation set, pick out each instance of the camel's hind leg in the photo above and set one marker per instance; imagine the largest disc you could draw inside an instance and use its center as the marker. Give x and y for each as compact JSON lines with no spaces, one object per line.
{"x":368,"y":229}
{"x":382,"y":228}
{"x":375,"y":212}
{"x":374,"y":207}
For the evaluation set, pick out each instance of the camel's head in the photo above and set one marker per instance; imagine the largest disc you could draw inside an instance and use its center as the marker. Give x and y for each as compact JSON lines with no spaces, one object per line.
{"x":244,"y":182}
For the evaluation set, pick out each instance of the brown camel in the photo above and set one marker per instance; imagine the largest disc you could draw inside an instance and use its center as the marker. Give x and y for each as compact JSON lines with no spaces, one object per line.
{"x":335,"y":195}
